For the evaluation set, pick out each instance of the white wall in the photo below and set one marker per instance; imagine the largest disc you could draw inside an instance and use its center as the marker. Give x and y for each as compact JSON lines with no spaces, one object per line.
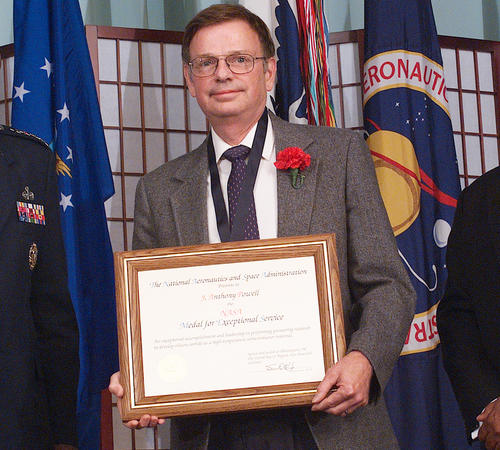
{"x":465,"y":18}
{"x":6,"y":22}
{"x":476,"y":19}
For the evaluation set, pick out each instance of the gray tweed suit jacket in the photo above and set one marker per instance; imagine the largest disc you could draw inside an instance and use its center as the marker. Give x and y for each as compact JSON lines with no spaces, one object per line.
{"x":340,"y":195}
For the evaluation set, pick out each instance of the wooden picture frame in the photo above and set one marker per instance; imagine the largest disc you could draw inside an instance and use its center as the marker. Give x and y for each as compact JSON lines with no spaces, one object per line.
{"x":227,"y":327}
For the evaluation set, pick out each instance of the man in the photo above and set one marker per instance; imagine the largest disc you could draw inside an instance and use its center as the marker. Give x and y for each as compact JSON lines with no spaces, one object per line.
{"x":229,"y":67}
{"x":469,"y":313}
{"x":38,"y":330}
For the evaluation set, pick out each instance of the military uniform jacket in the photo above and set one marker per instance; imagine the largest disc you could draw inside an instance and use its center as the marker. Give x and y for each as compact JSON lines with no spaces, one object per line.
{"x":38,"y":330}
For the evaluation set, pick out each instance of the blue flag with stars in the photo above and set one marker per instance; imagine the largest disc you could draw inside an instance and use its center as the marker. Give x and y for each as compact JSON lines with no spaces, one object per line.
{"x":411,"y":142}
{"x":55,"y":98}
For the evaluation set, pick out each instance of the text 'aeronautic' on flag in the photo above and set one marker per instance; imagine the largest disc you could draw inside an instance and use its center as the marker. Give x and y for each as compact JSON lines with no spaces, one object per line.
{"x":400,"y":68}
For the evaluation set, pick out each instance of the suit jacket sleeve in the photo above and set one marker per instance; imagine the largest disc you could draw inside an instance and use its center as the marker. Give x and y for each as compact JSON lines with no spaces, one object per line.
{"x":144,"y":231}
{"x":474,"y":379}
{"x":55,"y":322}
{"x":383,"y":297}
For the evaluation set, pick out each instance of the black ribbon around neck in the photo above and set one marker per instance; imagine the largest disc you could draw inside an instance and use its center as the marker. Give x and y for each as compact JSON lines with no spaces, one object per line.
{"x":237,"y":232}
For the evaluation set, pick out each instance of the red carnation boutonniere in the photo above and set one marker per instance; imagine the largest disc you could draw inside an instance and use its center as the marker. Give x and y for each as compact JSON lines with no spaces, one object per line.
{"x":294,"y":160}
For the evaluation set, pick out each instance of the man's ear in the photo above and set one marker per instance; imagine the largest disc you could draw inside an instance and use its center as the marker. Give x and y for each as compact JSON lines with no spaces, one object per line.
{"x":270,"y":68}
{"x":189,"y":80}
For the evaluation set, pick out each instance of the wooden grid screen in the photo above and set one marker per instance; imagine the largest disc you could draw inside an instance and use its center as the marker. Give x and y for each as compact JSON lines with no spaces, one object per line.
{"x":6,"y":82}
{"x":345,"y":74}
{"x":149,"y":118}
{"x":472,"y":73}
{"x":148,"y":115}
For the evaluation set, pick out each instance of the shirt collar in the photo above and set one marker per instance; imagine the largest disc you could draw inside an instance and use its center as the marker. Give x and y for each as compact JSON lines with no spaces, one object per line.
{"x":220,"y":146}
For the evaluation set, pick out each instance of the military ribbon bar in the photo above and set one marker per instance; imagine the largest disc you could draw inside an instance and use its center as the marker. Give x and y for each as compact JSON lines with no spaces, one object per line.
{"x":31,"y":213}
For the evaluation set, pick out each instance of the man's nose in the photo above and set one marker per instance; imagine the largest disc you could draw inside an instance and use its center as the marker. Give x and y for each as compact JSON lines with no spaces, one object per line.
{"x":223,"y":71}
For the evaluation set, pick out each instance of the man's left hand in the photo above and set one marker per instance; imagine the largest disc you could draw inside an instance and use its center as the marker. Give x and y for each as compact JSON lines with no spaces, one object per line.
{"x":489,"y":432}
{"x":346,"y":386}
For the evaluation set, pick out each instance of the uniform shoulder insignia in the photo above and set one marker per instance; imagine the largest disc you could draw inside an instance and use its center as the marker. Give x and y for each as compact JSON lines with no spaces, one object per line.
{"x":14,"y":132}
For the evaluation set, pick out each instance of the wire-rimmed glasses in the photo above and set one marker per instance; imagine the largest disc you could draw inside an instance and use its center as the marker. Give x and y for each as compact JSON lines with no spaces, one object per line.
{"x":205,"y":66}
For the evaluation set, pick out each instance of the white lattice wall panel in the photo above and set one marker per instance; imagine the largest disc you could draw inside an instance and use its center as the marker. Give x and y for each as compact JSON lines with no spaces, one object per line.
{"x":148,"y":116}
{"x":471,"y":95}
{"x":343,"y":60}
{"x":6,"y":80}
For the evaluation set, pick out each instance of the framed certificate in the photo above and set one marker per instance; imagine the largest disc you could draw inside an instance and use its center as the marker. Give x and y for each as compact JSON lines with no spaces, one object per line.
{"x":227,"y":327}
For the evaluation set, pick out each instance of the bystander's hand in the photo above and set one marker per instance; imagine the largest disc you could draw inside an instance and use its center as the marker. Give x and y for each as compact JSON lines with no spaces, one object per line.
{"x":346,"y":386}
{"x":489,"y":432}
{"x":146,"y":420}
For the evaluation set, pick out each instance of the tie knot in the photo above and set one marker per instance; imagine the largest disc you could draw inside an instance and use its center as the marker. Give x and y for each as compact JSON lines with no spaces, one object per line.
{"x":240,"y":152}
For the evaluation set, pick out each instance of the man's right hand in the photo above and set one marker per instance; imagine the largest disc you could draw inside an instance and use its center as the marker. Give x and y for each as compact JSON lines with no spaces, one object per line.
{"x":146,"y":420}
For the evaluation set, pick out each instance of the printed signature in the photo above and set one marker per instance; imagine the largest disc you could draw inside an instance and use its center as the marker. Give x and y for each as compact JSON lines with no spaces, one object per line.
{"x":285,"y":366}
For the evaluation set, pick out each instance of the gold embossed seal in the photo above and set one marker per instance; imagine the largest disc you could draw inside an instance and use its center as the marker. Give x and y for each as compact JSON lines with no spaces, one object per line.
{"x":33,"y":254}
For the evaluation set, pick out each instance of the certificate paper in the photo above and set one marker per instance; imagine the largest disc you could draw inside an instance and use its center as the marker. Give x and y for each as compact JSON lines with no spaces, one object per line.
{"x":251,"y":314}
{"x":227,"y":326}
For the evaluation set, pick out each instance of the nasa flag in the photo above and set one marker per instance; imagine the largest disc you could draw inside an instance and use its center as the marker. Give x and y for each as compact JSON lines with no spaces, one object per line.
{"x":411,"y":142}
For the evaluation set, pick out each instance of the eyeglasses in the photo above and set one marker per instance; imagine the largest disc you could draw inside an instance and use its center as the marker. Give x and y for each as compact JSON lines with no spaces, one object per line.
{"x":206,"y":66}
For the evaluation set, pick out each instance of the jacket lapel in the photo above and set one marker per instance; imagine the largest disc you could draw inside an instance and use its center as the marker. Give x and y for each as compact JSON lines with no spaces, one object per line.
{"x":295,"y":206}
{"x":189,"y":201}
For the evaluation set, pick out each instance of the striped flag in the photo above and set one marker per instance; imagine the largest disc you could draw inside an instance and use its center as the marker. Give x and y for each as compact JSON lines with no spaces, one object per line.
{"x":300,"y":33}
{"x":314,"y":61}
{"x":55,"y":98}
{"x":411,"y":142}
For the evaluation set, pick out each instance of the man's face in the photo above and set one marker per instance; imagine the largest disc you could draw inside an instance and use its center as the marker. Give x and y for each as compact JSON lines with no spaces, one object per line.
{"x":225,"y":95}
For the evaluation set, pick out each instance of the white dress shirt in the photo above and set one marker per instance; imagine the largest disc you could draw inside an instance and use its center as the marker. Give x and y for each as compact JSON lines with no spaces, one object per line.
{"x":265,"y":190}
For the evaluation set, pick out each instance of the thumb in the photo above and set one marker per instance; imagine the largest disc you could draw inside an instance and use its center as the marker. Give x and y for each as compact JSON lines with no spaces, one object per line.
{"x":327,"y":385}
{"x":114,"y":385}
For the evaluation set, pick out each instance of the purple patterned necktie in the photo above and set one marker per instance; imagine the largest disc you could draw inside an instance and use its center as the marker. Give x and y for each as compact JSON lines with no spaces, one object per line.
{"x":237,"y":156}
